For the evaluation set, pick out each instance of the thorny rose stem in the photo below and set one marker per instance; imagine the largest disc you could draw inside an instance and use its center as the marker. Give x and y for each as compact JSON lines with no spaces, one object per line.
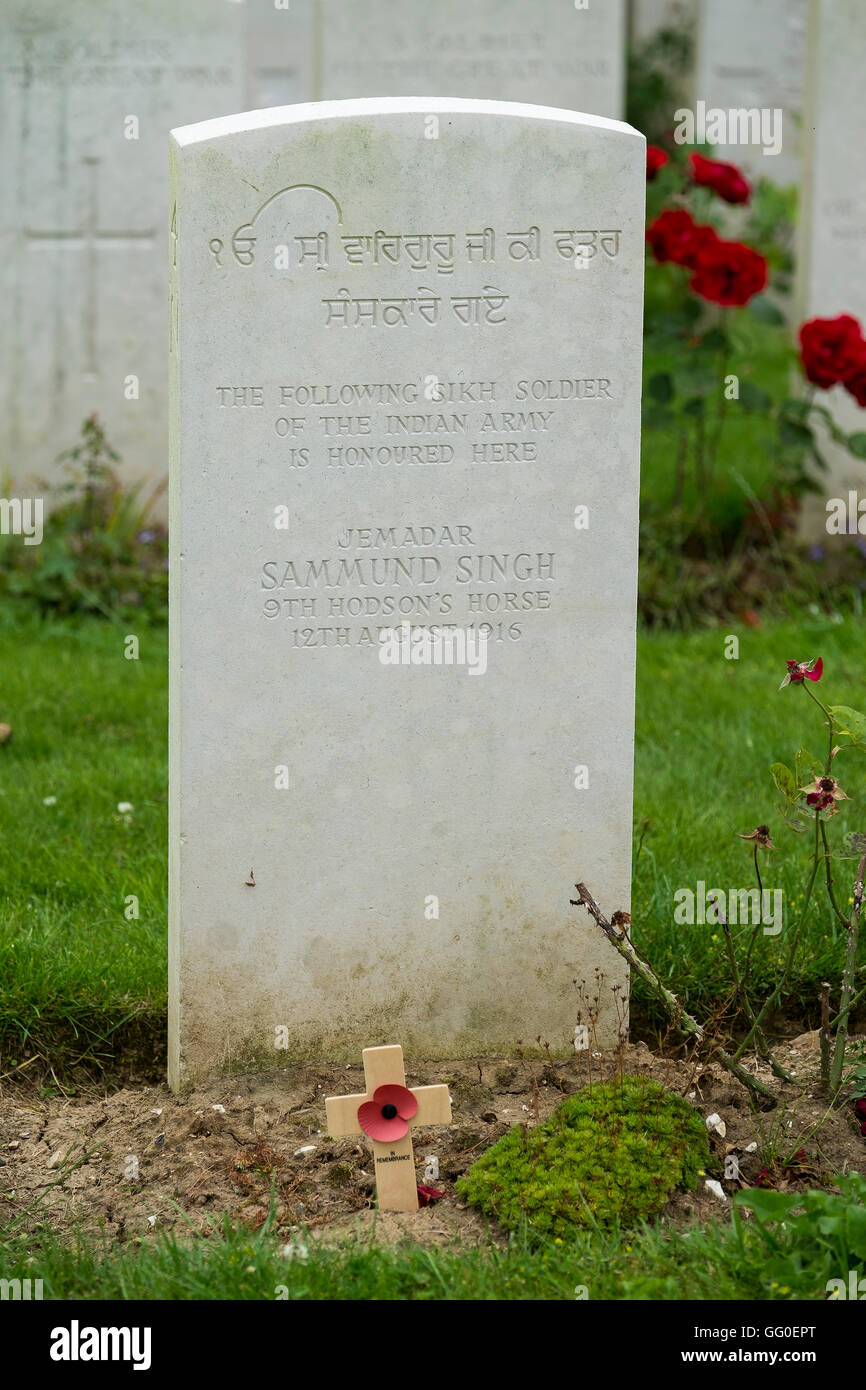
{"x":776,"y":994}
{"x":847,"y":992}
{"x":681,"y":1020}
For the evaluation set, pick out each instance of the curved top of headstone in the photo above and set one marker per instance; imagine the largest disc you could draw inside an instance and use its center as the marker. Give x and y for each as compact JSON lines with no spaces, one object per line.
{"x":386,"y":106}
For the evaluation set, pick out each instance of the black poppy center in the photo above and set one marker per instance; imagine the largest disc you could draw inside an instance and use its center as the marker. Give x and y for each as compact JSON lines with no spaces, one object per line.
{"x":388,"y":1112}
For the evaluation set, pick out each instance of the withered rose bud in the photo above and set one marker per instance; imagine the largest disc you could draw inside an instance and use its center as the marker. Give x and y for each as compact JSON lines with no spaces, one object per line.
{"x":823,"y":793}
{"x":761,"y":834}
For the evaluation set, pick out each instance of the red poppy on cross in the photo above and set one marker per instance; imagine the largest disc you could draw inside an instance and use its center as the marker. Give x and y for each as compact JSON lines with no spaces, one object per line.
{"x":387,"y":1112}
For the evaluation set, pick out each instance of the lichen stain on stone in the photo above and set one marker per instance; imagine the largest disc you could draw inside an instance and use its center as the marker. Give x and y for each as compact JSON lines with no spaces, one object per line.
{"x":424,"y":995}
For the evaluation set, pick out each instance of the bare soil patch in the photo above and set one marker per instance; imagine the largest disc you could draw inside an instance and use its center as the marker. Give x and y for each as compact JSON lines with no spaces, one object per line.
{"x":140,"y":1159}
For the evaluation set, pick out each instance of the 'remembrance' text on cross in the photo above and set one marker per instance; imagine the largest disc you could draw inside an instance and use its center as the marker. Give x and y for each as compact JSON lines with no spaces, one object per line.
{"x":380,"y":1108}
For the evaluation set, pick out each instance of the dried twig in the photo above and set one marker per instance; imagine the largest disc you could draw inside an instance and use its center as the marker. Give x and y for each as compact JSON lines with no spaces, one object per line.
{"x":824,"y":1035}
{"x":681,"y":1020}
{"x":852,"y":927}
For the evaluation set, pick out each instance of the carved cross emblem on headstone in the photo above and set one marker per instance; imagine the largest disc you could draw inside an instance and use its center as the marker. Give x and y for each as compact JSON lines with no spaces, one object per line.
{"x":89,"y":238}
{"x":388,"y":1111}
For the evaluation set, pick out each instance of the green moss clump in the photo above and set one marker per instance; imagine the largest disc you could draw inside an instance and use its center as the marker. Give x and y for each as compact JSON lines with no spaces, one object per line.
{"x":611,"y":1152}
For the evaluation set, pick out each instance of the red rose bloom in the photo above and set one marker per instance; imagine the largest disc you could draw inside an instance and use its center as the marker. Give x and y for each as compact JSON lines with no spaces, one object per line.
{"x":724,"y":179}
{"x":671,"y":235}
{"x":730,"y":274}
{"x":726,"y":272}
{"x":655,"y":159}
{"x":832,"y":350}
{"x":856,"y":382}
{"x":702,"y":248}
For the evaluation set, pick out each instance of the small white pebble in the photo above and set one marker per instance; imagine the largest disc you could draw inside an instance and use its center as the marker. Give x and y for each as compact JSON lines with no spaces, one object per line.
{"x":302,"y":1153}
{"x":716,"y":1189}
{"x":156,"y":1112}
{"x":151,"y":1221}
{"x":220,"y":1108}
{"x":752,"y":1148}
{"x":717,"y":1123}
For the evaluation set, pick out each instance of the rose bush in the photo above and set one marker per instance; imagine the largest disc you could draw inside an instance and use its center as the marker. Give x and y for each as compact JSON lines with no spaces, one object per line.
{"x":718,"y":349}
{"x":724,"y":179}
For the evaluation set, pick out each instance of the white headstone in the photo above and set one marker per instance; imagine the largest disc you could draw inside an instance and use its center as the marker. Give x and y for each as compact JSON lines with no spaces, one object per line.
{"x":283,"y":52}
{"x":547,"y":51}
{"x":832,"y":249}
{"x":88,"y":96}
{"x":647,"y":20}
{"x":406,"y":353}
{"x":648,"y":17}
{"x":751,"y":56}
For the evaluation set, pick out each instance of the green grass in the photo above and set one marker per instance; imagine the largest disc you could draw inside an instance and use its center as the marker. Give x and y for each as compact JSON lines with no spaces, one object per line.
{"x":89,"y":730}
{"x":724,"y":1260}
{"x":77,"y":977}
{"x":707,"y":731}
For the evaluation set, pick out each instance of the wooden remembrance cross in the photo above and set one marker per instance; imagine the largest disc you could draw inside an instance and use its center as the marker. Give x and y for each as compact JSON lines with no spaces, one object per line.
{"x":389,"y":1104}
